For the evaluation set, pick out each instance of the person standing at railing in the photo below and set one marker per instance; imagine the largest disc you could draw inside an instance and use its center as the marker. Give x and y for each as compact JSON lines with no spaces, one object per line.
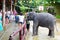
{"x":8,"y":12}
{"x":1,"y":27}
{"x":21,"y":19}
{"x":27,"y":23}
{"x":12,"y":18}
{"x":14,"y":12}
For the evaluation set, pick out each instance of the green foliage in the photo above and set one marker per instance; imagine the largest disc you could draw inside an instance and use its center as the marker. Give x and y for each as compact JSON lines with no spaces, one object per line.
{"x":31,"y":4}
{"x":56,"y":4}
{"x":28,"y":4}
{"x":23,"y":9}
{"x":57,"y":16}
{"x":53,"y":1}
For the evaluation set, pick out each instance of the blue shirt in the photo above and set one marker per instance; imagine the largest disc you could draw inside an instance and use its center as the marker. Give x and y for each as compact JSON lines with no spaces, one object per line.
{"x":1,"y":27}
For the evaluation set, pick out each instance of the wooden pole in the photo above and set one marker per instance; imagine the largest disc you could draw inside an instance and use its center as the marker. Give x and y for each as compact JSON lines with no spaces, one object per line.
{"x":3,"y":15}
{"x":14,"y":4}
{"x":11,"y":6}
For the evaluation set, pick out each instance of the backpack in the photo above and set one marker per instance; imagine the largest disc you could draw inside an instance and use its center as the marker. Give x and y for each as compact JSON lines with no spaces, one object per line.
{"x":16,"y":19}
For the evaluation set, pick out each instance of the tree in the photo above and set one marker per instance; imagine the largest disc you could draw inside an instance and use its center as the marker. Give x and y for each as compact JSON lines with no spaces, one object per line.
{"x":31,"y":4}
{"x":56,"y":4}
{"x":28,"y":4}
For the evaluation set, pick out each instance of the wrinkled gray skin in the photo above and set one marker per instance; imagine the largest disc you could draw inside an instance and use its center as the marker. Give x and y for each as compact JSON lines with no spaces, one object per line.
{"x":44,"y":20}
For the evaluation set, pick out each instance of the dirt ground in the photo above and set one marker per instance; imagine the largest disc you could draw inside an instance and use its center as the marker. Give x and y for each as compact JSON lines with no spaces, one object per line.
{"x":42,"y":33}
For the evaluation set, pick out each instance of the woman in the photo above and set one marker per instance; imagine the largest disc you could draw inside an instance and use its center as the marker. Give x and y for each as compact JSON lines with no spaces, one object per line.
{"x":1,"y":28}
{"x":21,"y":19}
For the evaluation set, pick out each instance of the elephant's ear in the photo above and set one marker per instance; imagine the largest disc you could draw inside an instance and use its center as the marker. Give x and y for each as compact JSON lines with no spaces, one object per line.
{"x":33,"y":17}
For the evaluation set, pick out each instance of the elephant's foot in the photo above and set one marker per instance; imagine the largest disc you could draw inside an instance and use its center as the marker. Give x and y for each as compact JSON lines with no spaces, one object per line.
{"x":34,"y":34}
{"x":51,"y":33}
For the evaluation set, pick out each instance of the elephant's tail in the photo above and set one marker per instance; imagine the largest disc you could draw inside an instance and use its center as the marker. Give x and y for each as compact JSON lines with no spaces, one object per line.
{"x":56,"y":27}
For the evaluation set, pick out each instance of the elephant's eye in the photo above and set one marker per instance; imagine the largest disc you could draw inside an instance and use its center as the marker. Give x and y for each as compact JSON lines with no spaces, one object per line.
{"x":27,"y":16}
{"x":31,"y":17}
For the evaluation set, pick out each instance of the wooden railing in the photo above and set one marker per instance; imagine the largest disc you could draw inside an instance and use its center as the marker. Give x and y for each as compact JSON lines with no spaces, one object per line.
{"x":21,"y":31}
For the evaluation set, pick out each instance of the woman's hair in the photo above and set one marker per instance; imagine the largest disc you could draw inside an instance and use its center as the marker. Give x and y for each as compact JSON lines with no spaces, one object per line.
{"x":17,"y":9}
{"x":20,"y":13}
{"x":0,"y":9}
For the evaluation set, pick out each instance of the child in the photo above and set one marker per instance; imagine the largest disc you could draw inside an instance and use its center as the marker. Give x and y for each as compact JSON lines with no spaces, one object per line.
{"x":27,"y":25}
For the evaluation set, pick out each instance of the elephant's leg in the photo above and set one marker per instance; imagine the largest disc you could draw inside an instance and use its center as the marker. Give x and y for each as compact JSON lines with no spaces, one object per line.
{"x":51,"y":32}
{"x":35,"y":28}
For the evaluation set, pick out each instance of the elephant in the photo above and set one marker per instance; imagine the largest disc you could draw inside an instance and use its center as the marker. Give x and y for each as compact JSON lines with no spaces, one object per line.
{"x":42,"y":19}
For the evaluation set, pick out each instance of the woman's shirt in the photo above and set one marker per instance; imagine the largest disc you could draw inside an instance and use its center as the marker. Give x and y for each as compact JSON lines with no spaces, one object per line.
{"x":12,"y":17}
{"x":21,"y":18}
{"x":1,"y":27}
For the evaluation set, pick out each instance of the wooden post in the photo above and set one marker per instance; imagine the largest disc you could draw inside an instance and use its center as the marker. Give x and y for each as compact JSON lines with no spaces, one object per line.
{"x":21,"y":31}
{"x":3,"y":15}
{"x":14,"y":4}
{"x":11,"y":6}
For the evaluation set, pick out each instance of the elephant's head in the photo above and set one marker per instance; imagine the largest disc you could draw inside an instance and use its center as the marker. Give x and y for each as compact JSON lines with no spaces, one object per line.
{"x":30,"y":16}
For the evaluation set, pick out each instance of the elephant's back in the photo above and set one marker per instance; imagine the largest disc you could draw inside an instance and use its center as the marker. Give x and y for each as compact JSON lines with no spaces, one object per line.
{"x":45,"y":18}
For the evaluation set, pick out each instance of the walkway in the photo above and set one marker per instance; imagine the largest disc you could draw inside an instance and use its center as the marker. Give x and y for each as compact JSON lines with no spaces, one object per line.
{"x":11,"y":28}
{"x":42,"y":33}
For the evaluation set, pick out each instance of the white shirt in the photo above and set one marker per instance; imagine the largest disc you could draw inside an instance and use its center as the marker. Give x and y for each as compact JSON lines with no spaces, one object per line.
{"x":0,"y":14}
{"x":0,"y":17}
{"x":21,"y":18}
{"x":12,"y":17}
{"x":8,"y":13}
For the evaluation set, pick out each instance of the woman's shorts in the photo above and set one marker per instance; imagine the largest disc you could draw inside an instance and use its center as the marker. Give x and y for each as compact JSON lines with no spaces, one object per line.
{"x":7,"y":17}
{"x":20,"y":22}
